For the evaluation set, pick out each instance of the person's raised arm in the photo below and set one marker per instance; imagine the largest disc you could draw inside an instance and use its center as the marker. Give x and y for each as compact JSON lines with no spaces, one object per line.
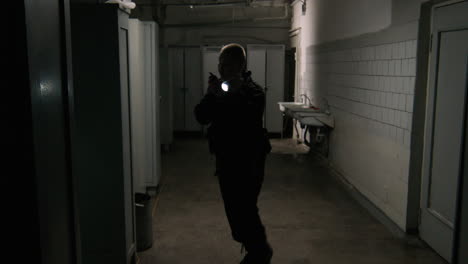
{"x":204,"y":111}
{"x":257,"y":98}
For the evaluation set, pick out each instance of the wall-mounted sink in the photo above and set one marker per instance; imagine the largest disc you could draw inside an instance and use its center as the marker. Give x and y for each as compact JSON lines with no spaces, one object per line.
{"x":300,"y":114}
{"x":296,"y":106}
{"x":303,"y":108}
{"x":307,"y":115}
{"x":311,"y":121}
{"x":284,"y":105}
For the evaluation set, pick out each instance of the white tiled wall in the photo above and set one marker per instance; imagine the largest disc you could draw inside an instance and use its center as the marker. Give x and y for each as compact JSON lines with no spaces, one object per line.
{"x":375,"y":83}
{"x":370,"y":91}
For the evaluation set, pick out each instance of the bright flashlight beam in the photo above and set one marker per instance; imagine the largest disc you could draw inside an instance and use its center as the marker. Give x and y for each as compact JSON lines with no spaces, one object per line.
{"x":225,"y":86}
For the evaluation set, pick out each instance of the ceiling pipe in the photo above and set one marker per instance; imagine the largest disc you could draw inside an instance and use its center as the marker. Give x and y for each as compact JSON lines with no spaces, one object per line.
{"x":226,"y":3}
{"x":226,"y":24}
{"x":285,"y":16}
{"x":207,"y":4}
{"x":210,"y":38}
{"x":234,"y":19}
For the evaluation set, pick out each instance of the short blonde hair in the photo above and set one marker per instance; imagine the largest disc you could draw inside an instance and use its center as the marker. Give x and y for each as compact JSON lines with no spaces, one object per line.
{"x":234,"y":51}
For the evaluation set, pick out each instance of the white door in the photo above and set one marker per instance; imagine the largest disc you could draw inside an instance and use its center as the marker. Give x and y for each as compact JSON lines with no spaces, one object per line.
{"x":152,"y":102}
{"x":178,"y":88}
{"x":444,"y":126}
{"x":210,"y":59}
{"x":138,"y":103}
{"x":187,"y":87}
{"x":256,"y":63}
{"x":144,"y":96}
{"x":256,"y":59}
{"x":194,"y":87}
{"x":210,"y":64}
{"x":274,"y":88}
{"x":166,"y":92}
{"x":267,"y":65}
{"x":126,"y":131}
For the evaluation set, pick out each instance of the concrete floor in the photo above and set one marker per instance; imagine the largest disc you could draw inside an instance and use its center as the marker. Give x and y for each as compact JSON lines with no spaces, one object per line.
{"x":308,"y":216}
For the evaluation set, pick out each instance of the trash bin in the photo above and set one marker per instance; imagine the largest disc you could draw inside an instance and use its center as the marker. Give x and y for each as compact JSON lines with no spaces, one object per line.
{"x":144,"y":220}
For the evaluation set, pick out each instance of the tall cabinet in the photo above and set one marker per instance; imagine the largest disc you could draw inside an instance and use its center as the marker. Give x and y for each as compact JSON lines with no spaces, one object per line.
{"x":267,"y":65}
{"x":145,"y":104}
{"x":210,"y":58}
{"x":101,"y":135}
{"x":187,"y":88}
{"x":166,"y":108}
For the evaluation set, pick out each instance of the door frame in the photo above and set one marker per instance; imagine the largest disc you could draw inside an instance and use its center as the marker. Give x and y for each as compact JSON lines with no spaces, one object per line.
{"x":419,"y":113}
{"x":297,"y":82}
{"x":49,"y":84}
{"x":415,"y":190}
{"x":460,"y":241}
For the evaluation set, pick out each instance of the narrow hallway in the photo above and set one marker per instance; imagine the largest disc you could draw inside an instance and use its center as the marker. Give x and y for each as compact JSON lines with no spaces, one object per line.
{"x":309,"y":217}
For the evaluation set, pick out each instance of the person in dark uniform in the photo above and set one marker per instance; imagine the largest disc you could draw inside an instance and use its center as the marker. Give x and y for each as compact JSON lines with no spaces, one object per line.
{"x":234,"y":106}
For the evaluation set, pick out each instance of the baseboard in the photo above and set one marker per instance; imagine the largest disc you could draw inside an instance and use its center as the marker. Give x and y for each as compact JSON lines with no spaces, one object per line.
{"x":411,"y":235}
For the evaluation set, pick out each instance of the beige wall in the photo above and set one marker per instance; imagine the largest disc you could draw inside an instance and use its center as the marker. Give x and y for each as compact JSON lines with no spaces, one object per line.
{"x":328,"y":20}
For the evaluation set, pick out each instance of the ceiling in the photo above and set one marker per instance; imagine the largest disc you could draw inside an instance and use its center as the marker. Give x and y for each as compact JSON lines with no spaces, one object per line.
{"x":190,"y":12}
{"x":214,"y":2}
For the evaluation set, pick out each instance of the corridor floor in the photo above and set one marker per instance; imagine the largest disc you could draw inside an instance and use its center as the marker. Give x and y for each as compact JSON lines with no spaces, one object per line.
{"x":309,"y":217}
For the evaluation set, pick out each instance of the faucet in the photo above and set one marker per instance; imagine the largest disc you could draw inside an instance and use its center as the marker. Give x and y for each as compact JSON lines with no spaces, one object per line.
{"x":327,"y":105}
{"x":305,"y":97}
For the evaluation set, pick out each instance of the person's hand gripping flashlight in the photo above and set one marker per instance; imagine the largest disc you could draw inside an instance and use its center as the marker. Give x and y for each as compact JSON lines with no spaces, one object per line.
{"x":214,"y":84}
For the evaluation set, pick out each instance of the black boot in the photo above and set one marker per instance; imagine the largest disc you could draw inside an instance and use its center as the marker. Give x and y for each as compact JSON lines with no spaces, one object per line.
{"x":258,"y":255}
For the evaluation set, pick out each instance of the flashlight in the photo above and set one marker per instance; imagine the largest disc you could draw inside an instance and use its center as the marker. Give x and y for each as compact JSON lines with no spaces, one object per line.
{"x":225,"y":86}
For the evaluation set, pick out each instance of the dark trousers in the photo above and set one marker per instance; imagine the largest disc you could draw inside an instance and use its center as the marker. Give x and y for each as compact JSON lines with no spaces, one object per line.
{"x":240,"y":180}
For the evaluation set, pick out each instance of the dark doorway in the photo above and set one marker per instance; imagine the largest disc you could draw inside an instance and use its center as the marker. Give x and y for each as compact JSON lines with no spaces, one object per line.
{"x":290,"y":83}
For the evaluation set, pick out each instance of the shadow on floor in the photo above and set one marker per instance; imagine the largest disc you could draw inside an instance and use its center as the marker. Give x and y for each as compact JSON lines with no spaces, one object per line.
{"x":309,"y":218}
